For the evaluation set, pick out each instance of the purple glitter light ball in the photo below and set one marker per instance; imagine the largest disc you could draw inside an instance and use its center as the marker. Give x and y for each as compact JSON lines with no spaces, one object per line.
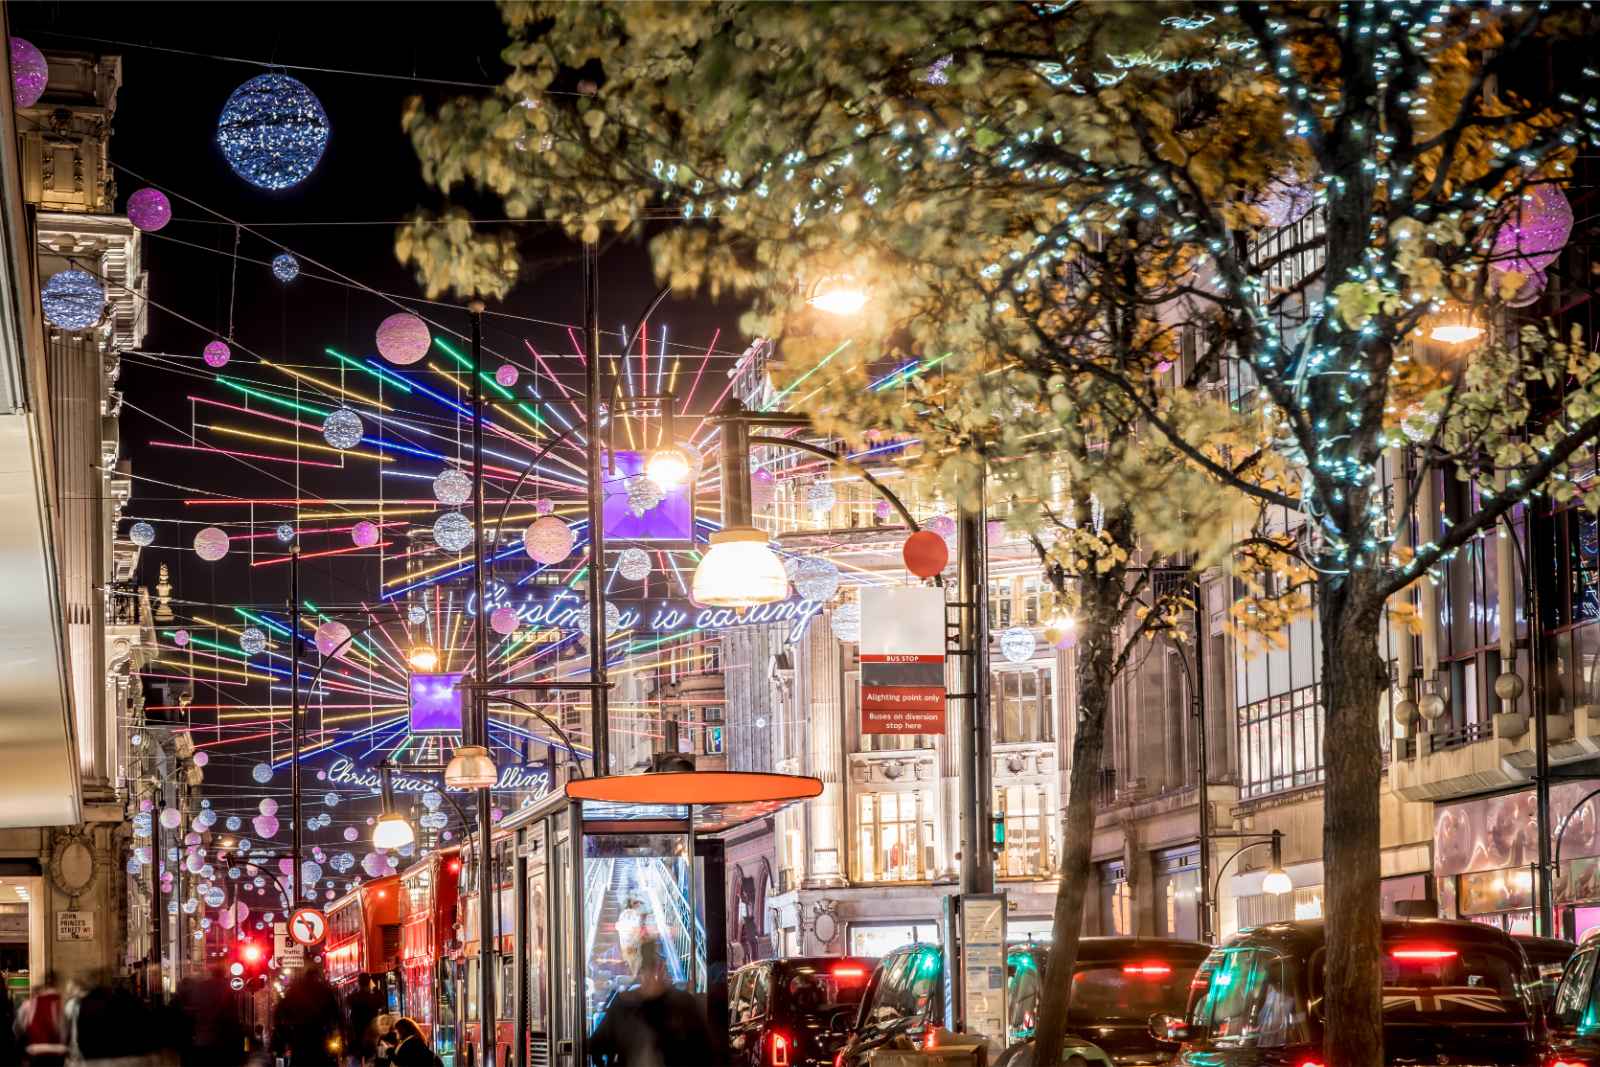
{"x":403,"y":338}
{"x":1534,"y":232}
{"x":216,"y":354}
{"x":30,"y":74}
{"x":506,"y":375}
{"x":364,"y":534}
{"x":149,"y":210}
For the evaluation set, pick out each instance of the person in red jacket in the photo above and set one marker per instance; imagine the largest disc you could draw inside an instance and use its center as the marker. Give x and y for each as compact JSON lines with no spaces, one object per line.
{"x":39,"y":1026}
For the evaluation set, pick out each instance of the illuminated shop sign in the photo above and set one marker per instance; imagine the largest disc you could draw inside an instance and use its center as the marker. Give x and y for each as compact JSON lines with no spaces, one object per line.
{"x":531,"y":778}
{"x":552,"y":607}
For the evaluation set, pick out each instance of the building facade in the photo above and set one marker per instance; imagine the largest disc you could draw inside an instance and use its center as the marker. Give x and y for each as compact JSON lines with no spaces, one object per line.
{"x":63,"y":845}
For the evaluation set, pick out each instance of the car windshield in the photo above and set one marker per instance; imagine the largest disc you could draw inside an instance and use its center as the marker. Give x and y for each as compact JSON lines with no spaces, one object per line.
{"x":824,"y":990}
{"x":1434,"y":982}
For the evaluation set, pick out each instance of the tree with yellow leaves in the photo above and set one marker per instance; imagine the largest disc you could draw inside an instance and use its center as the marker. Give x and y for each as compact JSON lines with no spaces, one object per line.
{"x":1185,"y":260}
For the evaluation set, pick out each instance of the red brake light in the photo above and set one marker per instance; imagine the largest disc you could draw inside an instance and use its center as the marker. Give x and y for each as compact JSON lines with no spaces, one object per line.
{"x":1424,"y":955}
{"x":455,"y":866}
{"x":778,"y":1049}
{"x":251,"y":952}
{"x":850,"y":973}
{"x":1147,"y":970}
{"x":1566,"y":1063}
{"x":930,"y":1037}
{"x":1310,"y":1063}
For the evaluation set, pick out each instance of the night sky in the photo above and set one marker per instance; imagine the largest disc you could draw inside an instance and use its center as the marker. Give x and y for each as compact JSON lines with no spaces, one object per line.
{"x":342,"y":216}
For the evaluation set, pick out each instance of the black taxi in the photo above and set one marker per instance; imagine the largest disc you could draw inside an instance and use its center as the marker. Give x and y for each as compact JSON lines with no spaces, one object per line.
{"x":1453,"y":993}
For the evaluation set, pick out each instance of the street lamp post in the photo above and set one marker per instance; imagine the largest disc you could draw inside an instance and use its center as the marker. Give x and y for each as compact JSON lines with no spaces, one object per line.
{"x":1276,"y":882}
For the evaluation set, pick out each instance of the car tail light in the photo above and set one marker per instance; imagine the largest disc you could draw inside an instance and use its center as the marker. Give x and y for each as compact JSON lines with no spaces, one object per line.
{"x":849,"y":973}
{"x":1423,"y":955}
{"x":778,"y":1049}
{"x":1558,"y":1061}
{"x":1310,"y":1063}
{"x":930,"y":1037}
{"x":838,"y":1058}
{"x":1147,"y":970}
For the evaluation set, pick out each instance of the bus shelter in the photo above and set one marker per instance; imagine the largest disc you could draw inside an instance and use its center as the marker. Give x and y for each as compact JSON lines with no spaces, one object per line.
{"x":605,"y":866}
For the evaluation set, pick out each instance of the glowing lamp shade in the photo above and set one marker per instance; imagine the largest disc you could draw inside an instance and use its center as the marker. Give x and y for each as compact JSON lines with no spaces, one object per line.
{"x":403,"y":338}
{"x":149,"y":210}
{"x":30,"y":73}
{"x":273,"y":131}
{"x":471,"y":768}
{"x":1277,"y":882}
{"x":392,"y":831}
{"x":668,"y":467}
{"x":739,"y":570}
{"x":1455,"y":333}
{"x":72,"y":299}
{"x":839,"y":296}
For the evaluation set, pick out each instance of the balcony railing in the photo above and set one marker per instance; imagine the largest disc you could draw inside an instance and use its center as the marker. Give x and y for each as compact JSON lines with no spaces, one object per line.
{"x":1462,"y":735}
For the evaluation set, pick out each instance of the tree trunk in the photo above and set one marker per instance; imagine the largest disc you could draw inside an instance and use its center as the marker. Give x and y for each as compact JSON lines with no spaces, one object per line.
{"x":1097,"y":656}
{"x":1354,"y":678}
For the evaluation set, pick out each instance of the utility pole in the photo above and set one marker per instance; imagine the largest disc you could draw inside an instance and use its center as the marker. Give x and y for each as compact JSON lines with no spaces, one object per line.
{"x":294,"y":718}
{"x":1197,"y":701}
{"x":976,"y":764}
{"x":599,"y":726}
{"x":488,"y":950}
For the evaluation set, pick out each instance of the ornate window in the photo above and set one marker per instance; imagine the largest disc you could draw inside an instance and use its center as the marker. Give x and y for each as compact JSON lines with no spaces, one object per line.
{"x":894,"y":836}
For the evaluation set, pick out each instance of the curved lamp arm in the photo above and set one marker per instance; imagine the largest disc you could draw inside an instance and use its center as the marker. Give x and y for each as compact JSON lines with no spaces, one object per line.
{"x":847,"y":464}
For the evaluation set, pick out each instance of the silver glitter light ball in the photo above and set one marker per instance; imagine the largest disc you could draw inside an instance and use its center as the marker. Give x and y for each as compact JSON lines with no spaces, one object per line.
{"x":342,"y":428}
{"x":285,"y":267}
{"x":73,"y":299}
{"x":273,"y":131}
{"x":252,"y":640}
{"x":1017,"y":644}
{"x":142,"y":534}
{"x":815,"y":578}
{"x":452,"y":487}
{"x":452,"y":531}
{"x":634,"y":564}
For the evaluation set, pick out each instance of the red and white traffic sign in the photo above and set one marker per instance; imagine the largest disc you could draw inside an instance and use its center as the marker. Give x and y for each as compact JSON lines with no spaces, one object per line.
{"x":308,"y":926}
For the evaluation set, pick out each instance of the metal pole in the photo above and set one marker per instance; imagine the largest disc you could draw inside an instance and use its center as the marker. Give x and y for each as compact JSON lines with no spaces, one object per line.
{"x":598,"y":724}
{"x":157,"y":907}
{"x":977,"y":790}
{"x":1198,"y":700}
{"x":488,"y":950}
{"x":294,"y":720}
{"x":1539,"y":695}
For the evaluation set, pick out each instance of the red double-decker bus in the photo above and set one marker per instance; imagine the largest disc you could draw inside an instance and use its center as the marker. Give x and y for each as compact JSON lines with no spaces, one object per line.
{"x":501,"y":955}
{"x":428,"y":891}
{"x":364,"y":937}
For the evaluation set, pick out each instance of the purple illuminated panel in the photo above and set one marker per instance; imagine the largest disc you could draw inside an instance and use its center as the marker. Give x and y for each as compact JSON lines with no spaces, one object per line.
{"x":670,"y":520}
{"x":435,"y":703}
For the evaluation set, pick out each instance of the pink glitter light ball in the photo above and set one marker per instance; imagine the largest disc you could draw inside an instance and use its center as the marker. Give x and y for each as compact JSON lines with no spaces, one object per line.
{"x":506,"y":375}
{"x":180,"y":638}
{"x":403,"y":338}
{"x":216,"y":354}
{"x":30,"y":74}
{"x":364,"y":534}
{"x":211,"y":544}
{"x":504,"y":621}
{"x":149,"y":210}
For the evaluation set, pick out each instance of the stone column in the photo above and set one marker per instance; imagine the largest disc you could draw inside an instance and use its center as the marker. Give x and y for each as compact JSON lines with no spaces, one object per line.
{"x":819,"y":699}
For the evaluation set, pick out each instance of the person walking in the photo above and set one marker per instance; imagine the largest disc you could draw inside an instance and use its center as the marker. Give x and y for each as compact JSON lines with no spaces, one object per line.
{"x":213,"y":1034}
{"x":653,"y":1024}
{"x":364,"y":1007}
{"x":309,"y":1024}
{"x":40,"y":1026}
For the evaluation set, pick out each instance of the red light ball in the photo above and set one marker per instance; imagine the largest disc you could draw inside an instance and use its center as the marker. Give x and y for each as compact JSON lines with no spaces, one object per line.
{"x":925,"y":553}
